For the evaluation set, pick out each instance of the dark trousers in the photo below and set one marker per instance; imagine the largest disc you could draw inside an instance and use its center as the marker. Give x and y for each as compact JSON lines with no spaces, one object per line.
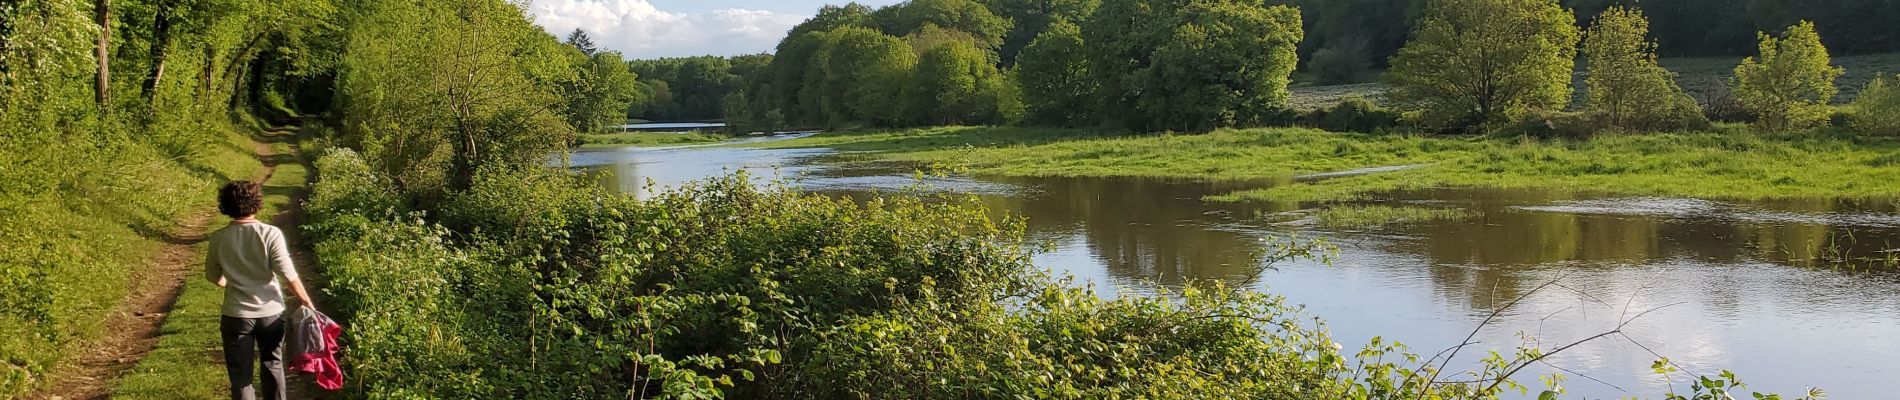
{"x":247,"y":343}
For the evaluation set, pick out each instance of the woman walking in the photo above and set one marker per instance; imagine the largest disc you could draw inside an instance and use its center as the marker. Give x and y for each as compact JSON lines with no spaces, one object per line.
{"x":246,"y":259}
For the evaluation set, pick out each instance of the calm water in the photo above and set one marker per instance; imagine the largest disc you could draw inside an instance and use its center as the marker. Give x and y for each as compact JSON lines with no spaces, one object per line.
{"x":673,"y":125}
{"x":1759,"y":288}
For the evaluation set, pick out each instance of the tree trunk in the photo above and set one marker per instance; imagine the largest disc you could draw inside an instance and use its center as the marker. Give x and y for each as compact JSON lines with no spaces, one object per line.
{"x":103,"y":13}
{"x":161,"y":41}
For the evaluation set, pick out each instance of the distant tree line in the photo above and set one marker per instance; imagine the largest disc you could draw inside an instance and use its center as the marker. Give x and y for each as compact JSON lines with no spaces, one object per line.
{"x":1203,"y":64}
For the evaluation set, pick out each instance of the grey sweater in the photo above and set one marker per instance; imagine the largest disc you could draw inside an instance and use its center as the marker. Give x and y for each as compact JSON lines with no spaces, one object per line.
{"x":250,"y":257}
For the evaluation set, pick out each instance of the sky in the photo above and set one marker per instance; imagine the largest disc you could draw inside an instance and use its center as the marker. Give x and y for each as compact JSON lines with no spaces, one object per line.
{"x":679,"y":28}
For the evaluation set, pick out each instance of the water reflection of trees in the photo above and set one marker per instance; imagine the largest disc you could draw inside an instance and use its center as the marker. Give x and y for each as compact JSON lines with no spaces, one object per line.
{"x":1481,"y":262}
{"x":1144,"y":229}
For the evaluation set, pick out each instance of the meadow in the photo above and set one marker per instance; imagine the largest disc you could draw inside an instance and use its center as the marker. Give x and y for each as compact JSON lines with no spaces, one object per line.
{"x":1728,"y":162}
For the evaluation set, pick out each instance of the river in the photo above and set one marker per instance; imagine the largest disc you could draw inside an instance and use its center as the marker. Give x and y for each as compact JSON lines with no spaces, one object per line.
{"x":1788,"y":294}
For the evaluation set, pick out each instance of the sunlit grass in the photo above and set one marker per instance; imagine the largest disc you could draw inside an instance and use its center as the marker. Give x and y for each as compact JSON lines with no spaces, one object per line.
{"x":606,"y":140}
{"x":1375,"y":215}
{"x":1728,"y":162}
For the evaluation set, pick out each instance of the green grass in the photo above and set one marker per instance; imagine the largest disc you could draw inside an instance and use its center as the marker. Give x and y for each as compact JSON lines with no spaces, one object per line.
{"x":186,"y":363}
{"x":606,"y":140}
{"x":1726,"y":163}
{"x":113,"y":211}
{"x":1375,"y":215}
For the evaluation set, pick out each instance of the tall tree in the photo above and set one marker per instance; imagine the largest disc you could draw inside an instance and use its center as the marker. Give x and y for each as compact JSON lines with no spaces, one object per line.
{"x":904,"y":18}
{"x":863,"y":70}
{"x":1789,"y":84}
{"x":602,"y":91}
{"x":1033,"y":17}
{"x":1194,"y":65}
{"x":955,"y":83}
{"x":1625,"y":84}
{"x":1054,"y":74}
{"x":1478,"y":62}
{"x":1227,"y":64}
{"x":581,"y":41}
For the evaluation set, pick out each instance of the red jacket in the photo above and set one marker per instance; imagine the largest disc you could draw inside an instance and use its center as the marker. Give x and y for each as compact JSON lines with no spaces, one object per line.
{"x":313,"y":347}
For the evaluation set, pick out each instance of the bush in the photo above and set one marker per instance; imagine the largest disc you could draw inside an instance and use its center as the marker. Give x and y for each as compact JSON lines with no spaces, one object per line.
{"x":1626,"y":87}
{"x":1789,"y":85}
{"x":1876,"y":110}
{"x":1343,"y":63}
{"x":1557,"y":125}
{"x":1353,"y":114}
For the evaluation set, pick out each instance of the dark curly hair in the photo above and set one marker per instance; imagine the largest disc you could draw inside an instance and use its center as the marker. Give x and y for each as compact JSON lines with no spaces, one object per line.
{"x":240,"y":199}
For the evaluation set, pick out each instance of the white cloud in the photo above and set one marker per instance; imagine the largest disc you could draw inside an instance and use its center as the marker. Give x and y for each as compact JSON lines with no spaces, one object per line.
{"x":639,"y":30}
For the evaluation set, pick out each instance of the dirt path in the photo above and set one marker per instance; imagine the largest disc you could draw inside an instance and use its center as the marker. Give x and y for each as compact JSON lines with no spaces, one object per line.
{"x":133,"y":327}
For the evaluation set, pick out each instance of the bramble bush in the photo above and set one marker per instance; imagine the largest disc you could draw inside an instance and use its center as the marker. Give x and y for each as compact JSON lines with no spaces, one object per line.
{"x":535,"y":284}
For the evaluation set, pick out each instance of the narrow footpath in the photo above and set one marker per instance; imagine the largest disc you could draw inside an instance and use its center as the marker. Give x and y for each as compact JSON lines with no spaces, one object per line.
{"x":144,"y":323}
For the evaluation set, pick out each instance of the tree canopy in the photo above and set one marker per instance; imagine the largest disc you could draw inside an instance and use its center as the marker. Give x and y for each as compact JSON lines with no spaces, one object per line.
{"x":1477,"y":62}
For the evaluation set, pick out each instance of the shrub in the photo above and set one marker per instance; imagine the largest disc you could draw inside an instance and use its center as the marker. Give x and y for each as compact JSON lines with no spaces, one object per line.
{"x":1342,"y":63}
{"x":1876,"y":110}
{"x":1353,"y":114}
{"x":1557,"y":125}
{"x":1626,"y":86}
{"x":1789,"y":85}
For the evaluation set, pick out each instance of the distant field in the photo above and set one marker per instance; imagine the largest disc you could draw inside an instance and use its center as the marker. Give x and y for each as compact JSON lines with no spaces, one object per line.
{"x":1704,"y":78}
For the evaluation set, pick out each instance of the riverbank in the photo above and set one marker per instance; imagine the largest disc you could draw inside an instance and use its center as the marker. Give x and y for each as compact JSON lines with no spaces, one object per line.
{"x":1726,"y":163}
{"x":644,"y":139}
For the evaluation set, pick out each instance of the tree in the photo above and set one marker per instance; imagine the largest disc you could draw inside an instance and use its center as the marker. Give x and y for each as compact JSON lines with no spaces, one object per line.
{"x":955,"y":83}
{"x":601,"y":92}
{"x":1055,"y":80}
{"x":582,"y":42}
{"x":1227,"y":63}
{"x":902,"y":19}
{"x":1789,"y":84}
{"x":1625,"y":85}
{"x":1034,"y":17}
{"x":102,"y":91}
{"x":862,"y":72}
{"x":1191,"y":66}
{"x":1481,"y":62}
{"x":469,"y":85}
{"x":1876,"y":110}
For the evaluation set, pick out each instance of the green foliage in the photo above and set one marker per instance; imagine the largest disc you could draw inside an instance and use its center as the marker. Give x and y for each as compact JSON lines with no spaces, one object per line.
{"x":1482,"y":62}
{"x":1341,"y":63}
{"x":1034,"y":18}
{"x":969,"y":16}
{"x":553,"y":290}
{"x":1354,"y":114}
{"x":860,"y":72}
{"x":1054,"y":74}
{"x":694,"y":88}
{"x":431,"y":135}
{"x":1876,"y":110}
{"x":1227,"y":64}
{"x":119,"y":177}
{"x":1626,"y":85}
{"x":1191,"y":66}
{"x":1789,"y":84}
{"x":954,"y":84}
{"x":600,"y":92}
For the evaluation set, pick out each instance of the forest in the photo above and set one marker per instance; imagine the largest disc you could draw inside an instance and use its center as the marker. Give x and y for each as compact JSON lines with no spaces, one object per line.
{"x":466,"y":266}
